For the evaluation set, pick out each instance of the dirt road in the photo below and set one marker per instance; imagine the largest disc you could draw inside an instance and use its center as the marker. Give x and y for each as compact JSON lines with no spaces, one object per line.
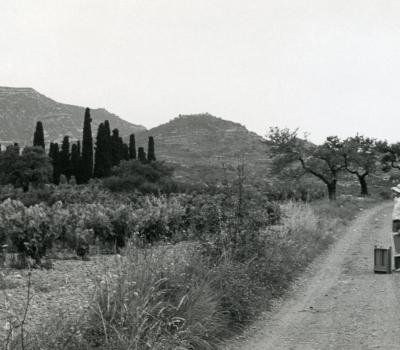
{"x":340,"y":303}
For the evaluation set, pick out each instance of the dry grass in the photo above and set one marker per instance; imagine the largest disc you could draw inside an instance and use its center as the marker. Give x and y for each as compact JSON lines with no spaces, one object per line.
{"x":155,"y":300}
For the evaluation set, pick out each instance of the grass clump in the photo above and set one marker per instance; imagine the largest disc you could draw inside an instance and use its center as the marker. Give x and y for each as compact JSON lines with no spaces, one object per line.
{"x":157,"y":300}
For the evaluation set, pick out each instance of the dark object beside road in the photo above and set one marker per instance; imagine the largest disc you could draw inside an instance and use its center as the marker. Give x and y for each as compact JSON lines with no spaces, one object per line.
{"x":383,"y":260}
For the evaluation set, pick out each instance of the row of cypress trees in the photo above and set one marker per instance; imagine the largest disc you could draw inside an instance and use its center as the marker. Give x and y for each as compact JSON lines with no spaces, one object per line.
{"x":78,"y":160}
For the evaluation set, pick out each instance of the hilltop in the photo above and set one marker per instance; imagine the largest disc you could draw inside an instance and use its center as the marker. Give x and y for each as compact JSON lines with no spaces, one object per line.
{"x":201,"y":145}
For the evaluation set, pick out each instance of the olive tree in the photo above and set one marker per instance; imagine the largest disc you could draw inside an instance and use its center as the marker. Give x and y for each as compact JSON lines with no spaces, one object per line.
{"x":361,"y":158}
{"x":324,"y":162}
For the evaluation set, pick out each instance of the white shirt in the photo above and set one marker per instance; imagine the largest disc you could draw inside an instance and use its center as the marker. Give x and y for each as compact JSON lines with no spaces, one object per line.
{"x":396,"y":209}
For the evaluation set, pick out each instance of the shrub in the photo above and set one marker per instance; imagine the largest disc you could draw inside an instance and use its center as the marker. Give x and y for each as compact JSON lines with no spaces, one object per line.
{"x":32,"y":166}
{"x":160,"y":218}
{"x":28,"y":229}
{"x":124,"y":222}
{"x":131,"y":176}
{"x":63,"y":180}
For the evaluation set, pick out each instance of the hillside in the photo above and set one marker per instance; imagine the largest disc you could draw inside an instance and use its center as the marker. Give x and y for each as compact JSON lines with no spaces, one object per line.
{"x":21,"y":108}
{"x":201,"y":144}
{"x":203,"y":138}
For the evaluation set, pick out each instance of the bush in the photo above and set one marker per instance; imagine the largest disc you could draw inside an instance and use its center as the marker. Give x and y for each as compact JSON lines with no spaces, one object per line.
{"x":148,"y":178}
{"x":28,"y":229}
{"x":31,"y":167}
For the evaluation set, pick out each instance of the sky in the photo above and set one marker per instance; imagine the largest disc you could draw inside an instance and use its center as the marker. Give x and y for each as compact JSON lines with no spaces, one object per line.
{"x":327,"y":67}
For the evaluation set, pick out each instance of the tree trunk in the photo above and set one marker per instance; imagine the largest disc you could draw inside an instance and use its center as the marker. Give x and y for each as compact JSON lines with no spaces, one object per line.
{"x":363,"y":184}
{"x":332,"y":190}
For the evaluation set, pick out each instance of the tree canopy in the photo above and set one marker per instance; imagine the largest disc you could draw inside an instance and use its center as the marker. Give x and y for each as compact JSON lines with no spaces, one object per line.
{"x":38,"y":136}
{"x":361,"y":158}
{"x":324,"y":162}
{"x":87,"y":148}
{"x":32,"y":166}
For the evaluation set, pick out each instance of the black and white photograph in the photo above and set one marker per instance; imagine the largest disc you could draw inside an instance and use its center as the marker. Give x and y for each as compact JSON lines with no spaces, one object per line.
{"x":199,"y":175}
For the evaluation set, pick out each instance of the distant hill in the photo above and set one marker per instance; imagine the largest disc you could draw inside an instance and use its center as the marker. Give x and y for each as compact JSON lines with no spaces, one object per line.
{"x":201,"y":145}
{"x":21,"y":108}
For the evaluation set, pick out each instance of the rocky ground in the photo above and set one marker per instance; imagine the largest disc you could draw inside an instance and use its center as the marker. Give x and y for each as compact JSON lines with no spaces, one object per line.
{"x":65,"y":289}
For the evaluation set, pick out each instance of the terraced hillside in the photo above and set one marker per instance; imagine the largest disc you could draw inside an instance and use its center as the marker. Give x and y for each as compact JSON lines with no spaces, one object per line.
{"x":202,"y":145}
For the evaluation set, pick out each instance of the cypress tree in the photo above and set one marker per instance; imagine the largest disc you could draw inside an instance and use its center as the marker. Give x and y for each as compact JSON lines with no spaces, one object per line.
{"x":151,"y":156}
{"x":125,"y":151}
{"x":65,"y":158}
{"x":142,"y":155}
{"x":51,"y":150}
{"x":116,"y":147}
{"x":78,"y":175}
{"x":87,"y":148}
{"x":78,"y":144}
{"x":100,"y":156}
{"x":121,"y":151}
{"x":75,"y":160}
{"x":55,"y":157}
{"x":98,"y":152}
{"x":107,"y":134}
{"x":16,"y":148}
{"x":38,"y":136}
{"x":132,"y":147}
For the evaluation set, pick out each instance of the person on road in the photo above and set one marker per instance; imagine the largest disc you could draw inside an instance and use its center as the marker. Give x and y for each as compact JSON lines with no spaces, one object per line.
{"x":396,"y":209}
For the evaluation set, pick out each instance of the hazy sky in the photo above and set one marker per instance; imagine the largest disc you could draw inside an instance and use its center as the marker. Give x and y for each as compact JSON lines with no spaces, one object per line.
{"x":326,"y":66}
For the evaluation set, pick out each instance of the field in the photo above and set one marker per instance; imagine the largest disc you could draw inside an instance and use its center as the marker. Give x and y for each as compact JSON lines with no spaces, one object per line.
{"x":207,"y":272}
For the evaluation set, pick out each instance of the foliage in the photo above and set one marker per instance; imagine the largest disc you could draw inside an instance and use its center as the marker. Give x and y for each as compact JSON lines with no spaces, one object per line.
{"x":132,"y":147}
{"x":324,"y":162}
{"x":38,"y":137}
{"x":32,"y":167}
{"x":142,"y":155}
{"x":151,"y":156}
{"x":76,"y":161}
{"x":27,"y":229}
{"x":390,"y":154}
{"x":102,"y":164}
{"x":133,"y":175}
{"x":54,"y":154}
{"x":63,"y":179}
{"x":116,"y":148}
{"x":361,"y":158}
{"x":87,"y":148}
{"x":65,"y":158}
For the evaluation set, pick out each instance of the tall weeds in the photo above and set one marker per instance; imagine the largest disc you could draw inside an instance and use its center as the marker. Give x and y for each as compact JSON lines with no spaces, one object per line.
{"x":157,"y":298}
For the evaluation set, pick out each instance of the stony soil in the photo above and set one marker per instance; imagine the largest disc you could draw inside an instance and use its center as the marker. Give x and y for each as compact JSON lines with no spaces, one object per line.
{"x":65,"y":289}
{"x":339,"y":303}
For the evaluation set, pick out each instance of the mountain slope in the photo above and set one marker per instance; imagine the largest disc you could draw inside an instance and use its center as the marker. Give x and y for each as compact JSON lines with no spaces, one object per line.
{"x":201,"y":145}
{"x":203,"y":138}
{"x":21,"y":108}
